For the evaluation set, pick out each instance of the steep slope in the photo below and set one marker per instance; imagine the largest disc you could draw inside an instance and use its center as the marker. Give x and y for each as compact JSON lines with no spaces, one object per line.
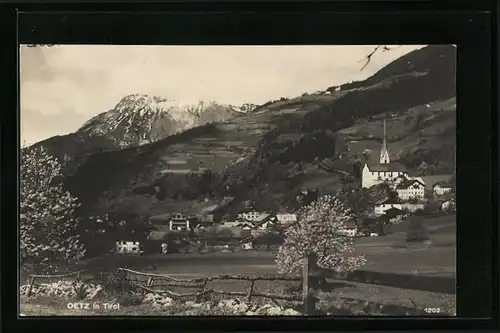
{"x":428,"y":59}
{"x":273,"y":151}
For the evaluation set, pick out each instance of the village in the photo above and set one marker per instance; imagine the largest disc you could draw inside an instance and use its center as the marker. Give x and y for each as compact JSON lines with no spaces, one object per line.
{"x":251,"y":229}
{"x":327,"y":190}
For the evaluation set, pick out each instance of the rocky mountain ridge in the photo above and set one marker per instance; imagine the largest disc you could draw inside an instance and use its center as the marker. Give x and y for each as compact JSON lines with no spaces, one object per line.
{"x":141,"y":119}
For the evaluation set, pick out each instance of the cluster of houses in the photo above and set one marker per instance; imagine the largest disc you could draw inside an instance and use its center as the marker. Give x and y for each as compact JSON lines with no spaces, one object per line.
{"x":410,"y":190}
{"x":249,"y":220}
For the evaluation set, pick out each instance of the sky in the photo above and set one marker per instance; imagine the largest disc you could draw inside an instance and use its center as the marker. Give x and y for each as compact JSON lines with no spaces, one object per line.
{"x":63,"y":86}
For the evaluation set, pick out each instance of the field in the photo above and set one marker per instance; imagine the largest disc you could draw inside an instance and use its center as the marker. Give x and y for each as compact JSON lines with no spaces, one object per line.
{"x":385,"y":255}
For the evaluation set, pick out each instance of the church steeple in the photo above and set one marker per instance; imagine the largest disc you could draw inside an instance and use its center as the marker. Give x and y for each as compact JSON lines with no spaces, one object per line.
{"x":384,"y":154}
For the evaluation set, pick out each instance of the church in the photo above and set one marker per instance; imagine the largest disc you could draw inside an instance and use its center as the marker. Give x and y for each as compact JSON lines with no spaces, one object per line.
{"x":385,"y":170}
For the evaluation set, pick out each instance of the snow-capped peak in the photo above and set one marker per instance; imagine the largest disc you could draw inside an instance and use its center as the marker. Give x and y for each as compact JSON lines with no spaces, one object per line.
{"x":138,"y":118}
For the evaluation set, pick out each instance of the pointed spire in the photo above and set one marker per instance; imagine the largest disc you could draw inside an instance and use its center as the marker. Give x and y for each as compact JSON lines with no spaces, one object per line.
{"x":384,"y":153}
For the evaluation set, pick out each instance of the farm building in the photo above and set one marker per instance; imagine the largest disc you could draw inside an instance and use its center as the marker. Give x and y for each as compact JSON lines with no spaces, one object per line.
{"x":393,"y":213}
{"x":286,"y":218}
{"x":179,"y":222}
{"x":350,"y":229}
{"x":448,"y":205}
{"x":252,"y":216}
{"x":385,"y":204}
{"x":441,"y":188}
{"x":382,"y":206}
{"x":128,"y":247}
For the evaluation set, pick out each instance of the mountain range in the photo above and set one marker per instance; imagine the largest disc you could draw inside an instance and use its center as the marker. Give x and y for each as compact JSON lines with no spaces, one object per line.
{"x":136,"y":120}
{"x":147,"y":152}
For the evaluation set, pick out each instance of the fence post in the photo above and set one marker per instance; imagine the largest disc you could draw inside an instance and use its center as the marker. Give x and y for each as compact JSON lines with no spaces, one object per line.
{"x":150,"y":281}
{"x":307,"y":297}
{"x":250,"y":291}
{"x":104,"y":279}
{"x":32,"y":283}
{"x":202,"y":289}
{"x":124,"y":280}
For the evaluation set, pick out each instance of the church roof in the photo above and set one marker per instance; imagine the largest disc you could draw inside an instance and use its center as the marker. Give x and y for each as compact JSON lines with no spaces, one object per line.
{"x":387,"y":167}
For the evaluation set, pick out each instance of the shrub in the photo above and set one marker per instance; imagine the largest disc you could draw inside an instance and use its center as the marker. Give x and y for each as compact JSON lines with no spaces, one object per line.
{"x":417,"y":229}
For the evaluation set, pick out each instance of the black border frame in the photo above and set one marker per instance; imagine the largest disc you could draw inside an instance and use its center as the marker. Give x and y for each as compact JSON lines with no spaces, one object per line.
{"x":470,"y":25}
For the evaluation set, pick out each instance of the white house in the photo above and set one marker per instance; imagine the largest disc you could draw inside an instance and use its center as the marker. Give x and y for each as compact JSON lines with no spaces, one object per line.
{"x":128,"y":247}
{"x":448,"y":205}
{"x":286,"y":218}
{"x":410,"y":189}
{"x":441,"y":188}
{"x":179,"y":222}
{"x":250,"y":216}
{"x":384,"y":171}
{"x":377,"y":174}
{"x":350,"y":229}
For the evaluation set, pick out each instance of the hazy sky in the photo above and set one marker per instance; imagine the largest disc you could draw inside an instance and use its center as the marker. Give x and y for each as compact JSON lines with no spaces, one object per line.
{"x":63,"y":86}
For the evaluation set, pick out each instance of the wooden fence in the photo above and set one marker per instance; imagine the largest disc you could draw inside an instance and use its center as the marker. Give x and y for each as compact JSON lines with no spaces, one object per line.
{"x":201,"y":285}
{"x":127,"y":278}
{"x":306,"y":297}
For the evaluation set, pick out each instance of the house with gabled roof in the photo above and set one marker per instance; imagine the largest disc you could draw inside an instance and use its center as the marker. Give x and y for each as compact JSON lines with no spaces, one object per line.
{"x":252,"y":215}
{"x":350,"y":229}
{"x":441,"y":188}
{"x":382,"y":205}
{"x":410,"y":189}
